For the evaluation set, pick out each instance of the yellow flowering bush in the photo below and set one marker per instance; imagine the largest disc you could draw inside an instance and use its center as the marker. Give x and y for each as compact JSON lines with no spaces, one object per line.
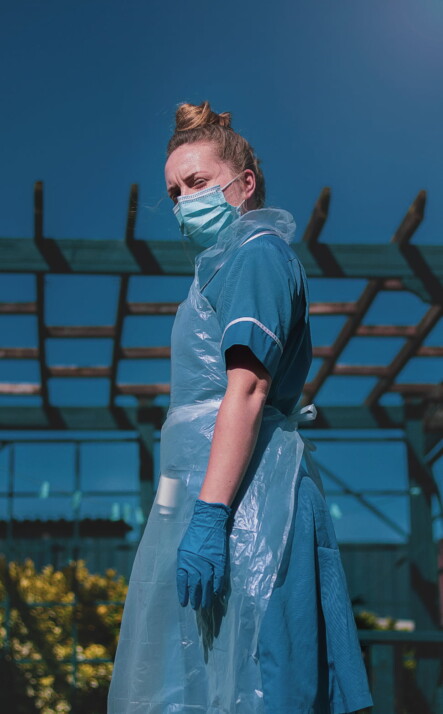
{"x":52,"y":615}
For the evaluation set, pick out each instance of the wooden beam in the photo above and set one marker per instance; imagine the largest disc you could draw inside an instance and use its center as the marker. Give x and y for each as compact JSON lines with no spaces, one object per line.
{"x":38,"y":210}
{"x":318,"y":218}
{"x":132,"y":213}
{"x":101,"y":331}
{"x":41,"y":342}
{"x":427,"y":351}
{"x":404,"y":331}
{"x":127,"y":418}
{"x":393,"y":284}
{"x":359,"y":370}
{"x":143,"y":390}
{"x":347,"y":332}
{"x":408,"y":350}
{"x":323,"y":352}
{"x":145,"y":352}
{"x":137,"y":390}
{"x":332,"y":308}
{"x":18,"y":308}
{"x":12,"y":388}
{"x":165,"y":352}
{"x":151,"y":308}
{"x":431,"y":392}
{"x":18,"y":353}
{"x":95,"y":372}
{"x":113,"y":257}
{"x":118,"y":330}
{"x":411,"y":221}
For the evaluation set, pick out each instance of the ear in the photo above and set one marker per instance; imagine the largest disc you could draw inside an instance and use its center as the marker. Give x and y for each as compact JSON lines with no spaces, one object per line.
{"x":249,"y":182}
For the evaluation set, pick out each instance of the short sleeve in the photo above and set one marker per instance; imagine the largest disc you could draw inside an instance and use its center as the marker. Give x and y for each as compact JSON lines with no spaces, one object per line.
{"x":255,"y":303}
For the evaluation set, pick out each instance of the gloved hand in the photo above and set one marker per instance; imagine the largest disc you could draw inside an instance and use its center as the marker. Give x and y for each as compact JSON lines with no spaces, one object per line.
{"x":202,"y":554}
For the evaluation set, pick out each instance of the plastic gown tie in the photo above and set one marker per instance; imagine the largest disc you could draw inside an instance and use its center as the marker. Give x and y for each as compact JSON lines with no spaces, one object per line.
{"x":302,"y":414}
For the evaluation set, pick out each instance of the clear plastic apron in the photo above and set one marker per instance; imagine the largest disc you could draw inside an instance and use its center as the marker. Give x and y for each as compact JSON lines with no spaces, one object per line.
{"x":173,"y":659}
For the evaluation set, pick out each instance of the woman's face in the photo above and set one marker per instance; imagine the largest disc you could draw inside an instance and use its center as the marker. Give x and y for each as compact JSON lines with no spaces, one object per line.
{"x":192,"y":167}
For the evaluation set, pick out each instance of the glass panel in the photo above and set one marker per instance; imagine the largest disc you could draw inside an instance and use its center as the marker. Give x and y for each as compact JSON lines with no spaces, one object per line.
{"x":43,"y":468}
{"x":81,"y":299}
{"x":109,"y":467}
{"x":147,"y":330}
{"x":51,"y":508}
{"x":79,"y":391}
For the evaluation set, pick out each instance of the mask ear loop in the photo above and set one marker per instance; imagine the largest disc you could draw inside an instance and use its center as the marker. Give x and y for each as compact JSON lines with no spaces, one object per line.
{"x":242,"y":209}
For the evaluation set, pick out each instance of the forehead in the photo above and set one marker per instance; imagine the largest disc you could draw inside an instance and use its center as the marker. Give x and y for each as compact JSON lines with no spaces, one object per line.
{"x":188,"y":158}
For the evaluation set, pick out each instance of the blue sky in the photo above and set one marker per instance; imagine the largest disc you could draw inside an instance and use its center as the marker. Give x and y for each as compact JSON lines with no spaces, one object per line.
{"x":338,"y":93}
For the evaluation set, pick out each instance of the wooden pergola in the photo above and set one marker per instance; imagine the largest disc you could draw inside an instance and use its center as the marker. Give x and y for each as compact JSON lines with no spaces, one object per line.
{"x":397,"y":265}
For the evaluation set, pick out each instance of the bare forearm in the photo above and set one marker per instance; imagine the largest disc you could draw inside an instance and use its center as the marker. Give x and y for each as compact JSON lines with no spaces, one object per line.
{"x":235,"y":436}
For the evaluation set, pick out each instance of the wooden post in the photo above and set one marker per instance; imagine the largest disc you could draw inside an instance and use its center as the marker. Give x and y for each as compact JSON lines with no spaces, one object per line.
{"x":382,"y":665}
{"x":422,"y":554}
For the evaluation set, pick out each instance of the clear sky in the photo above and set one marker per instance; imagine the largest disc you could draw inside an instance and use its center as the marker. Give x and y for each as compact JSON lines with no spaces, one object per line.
{"x":338,"y":93}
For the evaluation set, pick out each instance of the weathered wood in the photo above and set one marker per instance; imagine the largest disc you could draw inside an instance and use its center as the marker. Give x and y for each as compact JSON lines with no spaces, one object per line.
{"x":347,"y":332}
{"x":18,"y":353}
{"x":332,"y":308}
{"x":19,"y":388}
{"x":422,"y":330}
{"x":118,"y":331}
{"x":95,"y":372}
{"x":359,"y":370}
{"x":145,"y":352}
{"x":132,"y":213}
{"x":386,"y":331}
{"x":80,"y":331}
{"x":318,"y":218}
{"x":18,"y":308}
{"x":104,"y":418}
{"x":324,"y":352}
{"x":151,"y":308}
{"x":143,"y":390}
{"x":41,"y":342}
{"x":411,"y":221}
{"x":82,"y":255}
{"x":426,"y":351}
{"x":165,"y":353}
{"x":38,"y":210}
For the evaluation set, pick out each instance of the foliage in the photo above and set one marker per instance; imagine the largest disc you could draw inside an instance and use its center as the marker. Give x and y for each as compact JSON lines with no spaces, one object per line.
{"x":75,"y":615}
{"x":77,"y":612}
{"x":366,"y":620}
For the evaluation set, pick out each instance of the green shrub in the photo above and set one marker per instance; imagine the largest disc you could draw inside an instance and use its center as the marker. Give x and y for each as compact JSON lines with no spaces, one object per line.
{"x":38,"y":666}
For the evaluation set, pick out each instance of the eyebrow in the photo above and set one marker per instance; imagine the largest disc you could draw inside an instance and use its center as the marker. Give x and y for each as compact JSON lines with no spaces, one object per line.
{"x":174,"y":186}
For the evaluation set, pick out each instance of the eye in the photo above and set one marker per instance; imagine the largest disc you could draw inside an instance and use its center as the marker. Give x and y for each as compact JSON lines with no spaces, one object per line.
{"x":199,"y":181}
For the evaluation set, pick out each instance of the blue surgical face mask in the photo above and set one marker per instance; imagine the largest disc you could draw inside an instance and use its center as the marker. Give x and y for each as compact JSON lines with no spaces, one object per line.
{"x":203,"y":214}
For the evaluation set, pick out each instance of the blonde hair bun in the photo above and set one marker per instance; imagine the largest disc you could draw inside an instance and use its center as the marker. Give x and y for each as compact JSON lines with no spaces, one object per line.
{"x":193,"y":116}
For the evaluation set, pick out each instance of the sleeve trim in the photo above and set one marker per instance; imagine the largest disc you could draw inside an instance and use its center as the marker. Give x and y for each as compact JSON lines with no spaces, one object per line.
{"x":260,"y":324}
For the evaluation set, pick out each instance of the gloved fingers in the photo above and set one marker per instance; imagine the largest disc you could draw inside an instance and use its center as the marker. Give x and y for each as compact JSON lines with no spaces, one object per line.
{"x":195,"y":589}
{"x":182,"y":586}
{"x":207,"y":589}
{"x":219,"y":582}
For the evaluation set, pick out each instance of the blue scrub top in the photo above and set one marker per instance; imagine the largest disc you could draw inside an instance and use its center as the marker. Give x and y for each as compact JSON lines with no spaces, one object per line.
{"x":261,"y":300}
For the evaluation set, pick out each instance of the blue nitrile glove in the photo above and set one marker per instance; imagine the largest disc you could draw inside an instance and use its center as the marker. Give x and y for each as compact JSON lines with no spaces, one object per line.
{"x":202,"y":554}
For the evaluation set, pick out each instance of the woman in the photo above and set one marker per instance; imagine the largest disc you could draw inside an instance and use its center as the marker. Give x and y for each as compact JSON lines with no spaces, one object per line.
{"x":237,"y":600}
